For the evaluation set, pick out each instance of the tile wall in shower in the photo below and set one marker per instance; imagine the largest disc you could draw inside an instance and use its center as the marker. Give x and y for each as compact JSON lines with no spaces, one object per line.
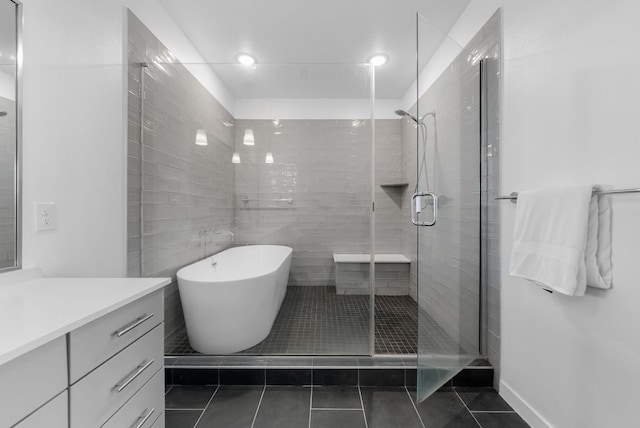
{"x":316,"y":195}
{"x":449,"y":259}
{"x":390,"y":195}
{"x":450,"y":254}
{"x":188,"y":188}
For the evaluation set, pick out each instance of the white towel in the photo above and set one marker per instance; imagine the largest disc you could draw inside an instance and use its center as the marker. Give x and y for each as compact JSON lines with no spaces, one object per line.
{"x":562,"y":239}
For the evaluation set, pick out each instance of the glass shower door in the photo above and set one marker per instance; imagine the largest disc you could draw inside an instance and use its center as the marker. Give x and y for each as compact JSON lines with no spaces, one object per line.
{"x":446,"y":211}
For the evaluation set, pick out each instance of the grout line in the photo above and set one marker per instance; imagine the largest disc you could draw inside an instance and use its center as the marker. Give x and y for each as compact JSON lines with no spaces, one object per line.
{"x":310,"y":404}
{"x":414,"y":406}
{"x":186,"y":408}
{"x":332,"y":408}
{"x":205,"y":407}
{"x":264,"y":388}
{"x":466,"y":407}
{"x":364,"y":414}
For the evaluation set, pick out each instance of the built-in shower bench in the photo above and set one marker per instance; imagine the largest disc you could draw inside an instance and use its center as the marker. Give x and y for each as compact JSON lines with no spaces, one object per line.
{"x":391,"y":273}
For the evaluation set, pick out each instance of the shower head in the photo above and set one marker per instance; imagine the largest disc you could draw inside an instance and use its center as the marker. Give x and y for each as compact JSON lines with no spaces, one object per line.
{"x":409,"y":115}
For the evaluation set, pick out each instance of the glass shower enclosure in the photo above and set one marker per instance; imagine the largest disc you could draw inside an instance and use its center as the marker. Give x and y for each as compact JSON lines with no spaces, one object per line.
{"x":325,"y":176}
{"x":456,"y":142}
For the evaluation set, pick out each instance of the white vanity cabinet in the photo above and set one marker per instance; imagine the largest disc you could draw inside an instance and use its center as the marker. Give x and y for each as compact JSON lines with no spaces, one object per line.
{"x":111,"y":359}
{"x":99,"y":359}
{"x":30,"y":381}
{"x":54,"y":414}
{"x":94,"y":343}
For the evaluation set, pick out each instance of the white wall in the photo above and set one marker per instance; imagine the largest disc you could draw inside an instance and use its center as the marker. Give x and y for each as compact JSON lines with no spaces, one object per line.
{"x":570,"y":115}
{"x":74,"y":136}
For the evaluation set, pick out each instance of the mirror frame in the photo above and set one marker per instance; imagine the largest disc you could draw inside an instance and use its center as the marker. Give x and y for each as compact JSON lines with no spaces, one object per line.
{"x":18,"y":143}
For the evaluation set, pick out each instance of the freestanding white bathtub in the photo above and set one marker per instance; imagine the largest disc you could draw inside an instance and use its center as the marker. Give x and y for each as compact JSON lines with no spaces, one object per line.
{"x":231,"y":299}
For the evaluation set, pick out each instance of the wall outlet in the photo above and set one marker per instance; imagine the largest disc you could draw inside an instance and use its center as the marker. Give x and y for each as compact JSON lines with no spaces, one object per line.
{"x":46,"y":217}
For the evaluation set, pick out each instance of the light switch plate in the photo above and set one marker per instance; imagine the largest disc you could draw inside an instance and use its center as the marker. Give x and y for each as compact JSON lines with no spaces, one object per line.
{"x":46,"y":216}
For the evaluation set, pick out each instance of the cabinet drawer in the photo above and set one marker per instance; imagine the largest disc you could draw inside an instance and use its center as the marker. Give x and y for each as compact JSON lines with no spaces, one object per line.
{"x":31,"y":380}
{"x":54,"y":414}
{"x":144,"y":408}
{"x":94,"y":343}
{"x":96,"y":397}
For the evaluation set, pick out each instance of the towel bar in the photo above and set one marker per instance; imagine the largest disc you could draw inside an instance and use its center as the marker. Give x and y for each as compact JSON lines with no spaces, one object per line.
{"x":513,"y":196}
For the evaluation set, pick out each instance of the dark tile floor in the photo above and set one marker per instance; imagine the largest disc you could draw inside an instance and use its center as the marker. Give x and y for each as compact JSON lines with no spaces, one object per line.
{"x":317,"y":321}
{"x":335,"y":407}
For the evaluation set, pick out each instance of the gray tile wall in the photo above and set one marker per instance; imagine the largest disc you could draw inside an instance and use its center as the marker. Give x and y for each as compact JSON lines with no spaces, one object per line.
{"x":7,"y":183}
{"x":188,"y":189}
{"x":389,"y":199}
{"x":450,"y":254}
{"x":323,"y":166}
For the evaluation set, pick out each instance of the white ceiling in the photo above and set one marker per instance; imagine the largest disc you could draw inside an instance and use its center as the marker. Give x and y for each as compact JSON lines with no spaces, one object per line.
{"x":338,"y":34}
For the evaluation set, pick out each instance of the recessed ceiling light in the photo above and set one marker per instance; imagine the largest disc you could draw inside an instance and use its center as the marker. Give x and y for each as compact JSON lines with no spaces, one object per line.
{"x":378,"y":59}
{"x":245,"y":59}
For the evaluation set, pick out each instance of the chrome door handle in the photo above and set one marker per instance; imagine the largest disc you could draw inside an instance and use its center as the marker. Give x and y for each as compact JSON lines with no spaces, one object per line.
{"x":416,"y":208}
{"x":126,"y":329}
{"x":120,"y":386}
{"x":143,"y":419}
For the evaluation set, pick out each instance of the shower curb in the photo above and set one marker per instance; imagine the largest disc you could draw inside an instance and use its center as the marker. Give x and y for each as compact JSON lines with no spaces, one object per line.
{"x":397,"y":375}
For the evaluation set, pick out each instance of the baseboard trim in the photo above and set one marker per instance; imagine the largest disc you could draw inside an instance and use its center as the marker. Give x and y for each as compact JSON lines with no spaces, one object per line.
{"x":528,"y":413}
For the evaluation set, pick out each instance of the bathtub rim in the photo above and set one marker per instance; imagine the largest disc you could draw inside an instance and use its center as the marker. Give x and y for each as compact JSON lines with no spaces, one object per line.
{"x":212,"y":282}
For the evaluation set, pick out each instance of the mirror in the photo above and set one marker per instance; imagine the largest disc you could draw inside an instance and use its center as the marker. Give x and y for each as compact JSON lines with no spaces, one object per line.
{"x":10,"y":19}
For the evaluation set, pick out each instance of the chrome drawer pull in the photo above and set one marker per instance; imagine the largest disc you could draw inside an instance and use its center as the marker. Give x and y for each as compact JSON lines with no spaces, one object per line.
{"x":128,"y":328}
{"x":143,"y":419}
{"x":124,"y":383}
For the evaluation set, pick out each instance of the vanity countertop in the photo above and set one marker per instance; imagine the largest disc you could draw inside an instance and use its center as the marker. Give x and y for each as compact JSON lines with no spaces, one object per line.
{"x":37,"y":311}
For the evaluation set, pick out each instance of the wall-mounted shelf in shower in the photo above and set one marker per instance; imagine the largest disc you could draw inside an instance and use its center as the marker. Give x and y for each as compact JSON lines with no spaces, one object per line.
{"x":394,"y":185}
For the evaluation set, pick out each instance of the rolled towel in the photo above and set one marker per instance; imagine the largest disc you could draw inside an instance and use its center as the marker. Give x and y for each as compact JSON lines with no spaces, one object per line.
{"x":598,"y":248}
{"x":562,"y":239}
